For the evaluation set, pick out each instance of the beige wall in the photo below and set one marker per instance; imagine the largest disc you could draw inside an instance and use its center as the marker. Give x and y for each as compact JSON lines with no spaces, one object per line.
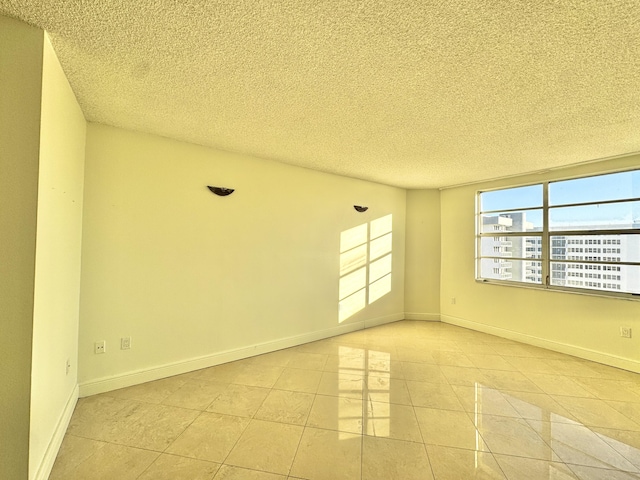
{"x":422,"y":270}
{"x":190,"y":276}
{"x":20,"y":77}
{"x":57,"y":280}
{"x":587,"y":326}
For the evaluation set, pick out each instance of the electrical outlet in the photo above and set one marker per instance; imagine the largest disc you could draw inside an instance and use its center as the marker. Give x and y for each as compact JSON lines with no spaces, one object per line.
{"x":68,"y":366}
{"x":453,"y":300}
{"x":100,"y":347}
{"x":125,"y":343}
{"x":625,"y":332}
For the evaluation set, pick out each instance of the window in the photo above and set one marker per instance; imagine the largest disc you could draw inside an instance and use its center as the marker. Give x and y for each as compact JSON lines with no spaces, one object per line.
{"x":590,"y":223}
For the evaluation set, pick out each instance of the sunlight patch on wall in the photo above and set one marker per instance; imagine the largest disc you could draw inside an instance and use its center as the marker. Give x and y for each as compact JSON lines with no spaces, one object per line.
{"x":361,"y":282}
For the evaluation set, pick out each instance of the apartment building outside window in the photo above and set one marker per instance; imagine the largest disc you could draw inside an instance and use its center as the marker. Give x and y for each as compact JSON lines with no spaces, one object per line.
{"x":552,"y":232}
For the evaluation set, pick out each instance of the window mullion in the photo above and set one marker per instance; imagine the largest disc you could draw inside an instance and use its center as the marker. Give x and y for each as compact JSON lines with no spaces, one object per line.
{"x":546,"y":247}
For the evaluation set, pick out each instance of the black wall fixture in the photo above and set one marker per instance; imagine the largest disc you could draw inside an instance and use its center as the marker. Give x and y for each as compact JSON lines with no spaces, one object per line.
{"x":221,"y":191}
{"x":360,"y":209}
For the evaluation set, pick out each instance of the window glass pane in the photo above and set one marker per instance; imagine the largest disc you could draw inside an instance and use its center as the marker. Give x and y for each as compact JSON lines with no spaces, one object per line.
{"x":615,"y":186}
{"x":597,"y":248}
{"x":529,"y":221}
{"x":623,"y":215}
{"x":507,"y":247}
{"x":513,"y":270}
{"x":608,"y":278}
{"x":510,"y":198}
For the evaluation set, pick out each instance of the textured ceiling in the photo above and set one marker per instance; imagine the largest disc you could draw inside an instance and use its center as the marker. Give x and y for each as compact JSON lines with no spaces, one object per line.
{"x":416,"y":94}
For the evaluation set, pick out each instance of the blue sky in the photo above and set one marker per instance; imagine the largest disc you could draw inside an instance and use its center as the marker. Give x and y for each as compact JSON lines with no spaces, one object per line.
{"x":614,"y":186}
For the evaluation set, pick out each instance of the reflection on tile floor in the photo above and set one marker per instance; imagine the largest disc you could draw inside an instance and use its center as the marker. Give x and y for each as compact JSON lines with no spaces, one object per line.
{"x":408,"y":400}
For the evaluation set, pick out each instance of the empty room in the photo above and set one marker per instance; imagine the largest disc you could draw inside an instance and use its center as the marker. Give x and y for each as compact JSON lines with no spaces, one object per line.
{"x":332,"y":240}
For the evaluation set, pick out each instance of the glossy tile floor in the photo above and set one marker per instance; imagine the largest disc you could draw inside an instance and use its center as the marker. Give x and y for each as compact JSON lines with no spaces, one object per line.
{"x":409,"y":400}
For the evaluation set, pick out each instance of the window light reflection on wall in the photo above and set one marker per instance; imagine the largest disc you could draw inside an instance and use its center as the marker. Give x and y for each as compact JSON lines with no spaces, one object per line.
{"x":365,"y":265}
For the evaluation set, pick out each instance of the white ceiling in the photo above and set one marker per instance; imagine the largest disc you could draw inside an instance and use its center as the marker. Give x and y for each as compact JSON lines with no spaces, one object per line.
{"x":418,"y":94}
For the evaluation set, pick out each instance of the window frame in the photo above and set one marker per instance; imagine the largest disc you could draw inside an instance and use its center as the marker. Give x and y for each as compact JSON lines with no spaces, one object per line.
{"x":546,"y":235}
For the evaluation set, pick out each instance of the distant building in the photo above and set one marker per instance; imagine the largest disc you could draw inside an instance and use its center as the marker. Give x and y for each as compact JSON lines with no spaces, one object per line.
{"x":611,"y":275}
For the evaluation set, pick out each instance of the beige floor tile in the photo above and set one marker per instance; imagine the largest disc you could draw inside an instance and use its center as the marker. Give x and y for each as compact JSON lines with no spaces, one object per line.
{"x":531,"y":365}
{"x":538,"y":406}
{"x":153,"y":427}
{"x":328,"y":455}
{"x":433,"y":395}
{"x":336,"y":413}
{"x":382,"y":365}
{"x":386,"y":458}
{"x":266,"y":446}
{"x":578,"y":445}
{"x":607,"y":389}
{"x":240,"y":400}
{"x":457,"y":464}
{"x":423,"y":372}
{"x":173,"y":467}
{"x":73,"y":451}
{"x":227,"y":472}
{"x":591,"y":473}
{"x":512,"y":436}
{"x":573,"y":367}
{"x":629,"y":409}
{"x":95,"y":417}
{"x":463,"y":376}
{"x":504,"y":380}
{"x":151,"y":392}
{"x":286,"y":407}
{"x":297,"y":380}
{"x":196,"y":395}
{"x":520,"y":468}
{"x":453,"y":359}
{"x":593,"y":412}
{"x":477,"y":348}
{"x":484,"y":400}
{"x":342,"y":385}
{"x":392,"y":421}
{"x":624,"y":442}
{"x":258,"y":376}
{"x":390,"y":390}
{"x":279,"y":358}
{"x":113,"y":461}
{"x":559,"y":385}
{"x":417,"y":354}
{"x":352,"y":363}
{"x":563,"y":413}
{"x":326,"y":346}
{"x":225,"y":373}
{"x":136,"y":424}
{"x":210,"y":437}
{"x":448,"y":428}
{"x":307,"y":360}
{"x":490,"y":362}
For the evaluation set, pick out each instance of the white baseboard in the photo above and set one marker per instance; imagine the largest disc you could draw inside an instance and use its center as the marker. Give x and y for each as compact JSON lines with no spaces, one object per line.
{"x":374,"y":322}
{"x":428,"y":317}
{"x":580,"y":352}
{"x":44,"y":470}
{"x":136,"y":377}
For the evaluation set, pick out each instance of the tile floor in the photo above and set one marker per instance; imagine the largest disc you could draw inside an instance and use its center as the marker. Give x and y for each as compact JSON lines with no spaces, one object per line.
{"x":409,"y":400}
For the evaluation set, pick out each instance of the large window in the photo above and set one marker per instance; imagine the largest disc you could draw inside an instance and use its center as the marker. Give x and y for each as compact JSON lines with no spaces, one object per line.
{"x":573,"y":234}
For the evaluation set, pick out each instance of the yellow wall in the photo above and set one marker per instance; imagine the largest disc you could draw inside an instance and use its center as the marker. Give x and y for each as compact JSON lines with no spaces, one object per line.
{"x":190,"y":276}
{"x":57,"y":280}
{"x":586,"y":326}
{"x":422,"y":271}
{"x":20,"y":77}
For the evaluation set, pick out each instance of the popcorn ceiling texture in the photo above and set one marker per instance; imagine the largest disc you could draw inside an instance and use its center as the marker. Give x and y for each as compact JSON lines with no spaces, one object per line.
{"x":417,"y":94}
